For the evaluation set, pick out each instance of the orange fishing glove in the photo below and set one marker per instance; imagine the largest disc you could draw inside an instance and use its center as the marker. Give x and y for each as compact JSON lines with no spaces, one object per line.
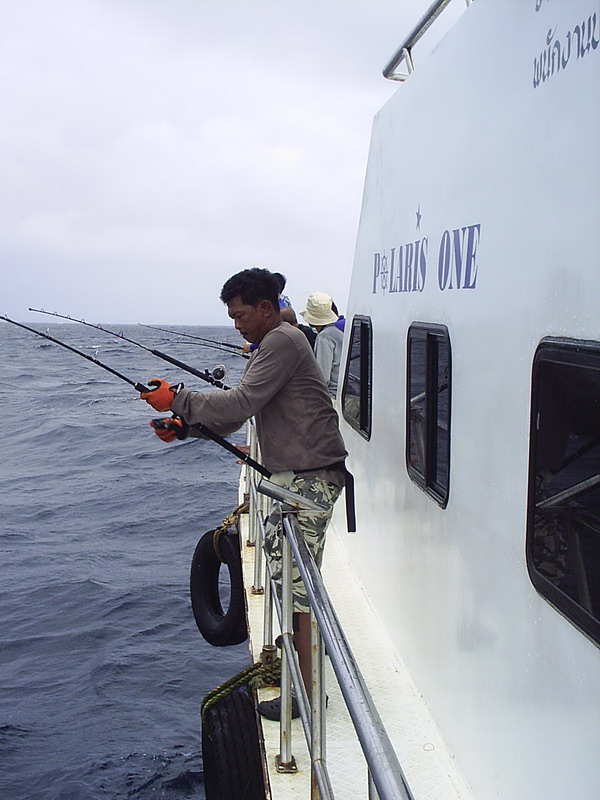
{"x":160,"y":398}
{"x":169,"y":429}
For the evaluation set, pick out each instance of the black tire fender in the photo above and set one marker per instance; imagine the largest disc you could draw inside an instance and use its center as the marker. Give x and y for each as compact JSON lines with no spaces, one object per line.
{"x":231,"y":755}
{"x":219,"y":628}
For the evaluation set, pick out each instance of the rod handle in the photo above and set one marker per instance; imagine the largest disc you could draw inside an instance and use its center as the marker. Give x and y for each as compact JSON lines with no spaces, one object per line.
{"x":166,"y":424}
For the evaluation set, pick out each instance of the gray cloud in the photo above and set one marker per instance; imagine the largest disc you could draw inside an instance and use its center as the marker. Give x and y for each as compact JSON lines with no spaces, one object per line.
{"x":151,"y":149}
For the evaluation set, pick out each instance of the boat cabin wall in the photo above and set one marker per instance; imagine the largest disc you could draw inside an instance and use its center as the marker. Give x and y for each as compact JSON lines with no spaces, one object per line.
{"x":480,"y":213}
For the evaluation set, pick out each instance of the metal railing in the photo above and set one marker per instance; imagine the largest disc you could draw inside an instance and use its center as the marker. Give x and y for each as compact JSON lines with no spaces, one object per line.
{"x":386,"y":779}
{"x":404,"y":52}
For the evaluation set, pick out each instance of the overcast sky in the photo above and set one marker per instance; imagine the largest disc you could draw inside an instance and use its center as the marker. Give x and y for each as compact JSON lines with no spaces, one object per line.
{"x":151,"y":148}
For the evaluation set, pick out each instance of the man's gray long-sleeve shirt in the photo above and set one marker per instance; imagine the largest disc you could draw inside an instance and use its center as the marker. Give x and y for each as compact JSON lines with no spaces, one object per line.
{"x":283,"y":388}
{"x":328,"y":352}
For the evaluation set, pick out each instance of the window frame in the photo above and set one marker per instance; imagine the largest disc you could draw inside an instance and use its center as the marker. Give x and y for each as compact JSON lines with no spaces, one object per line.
{"x":569,"y":352}
{"x":432,"y":333}
{"x":364,"y":425}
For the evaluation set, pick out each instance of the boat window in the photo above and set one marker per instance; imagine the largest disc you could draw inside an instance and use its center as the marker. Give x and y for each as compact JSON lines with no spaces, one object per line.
{"x":428,"y":409}
{"x":356,"y":393}
{"x":563,"y":526}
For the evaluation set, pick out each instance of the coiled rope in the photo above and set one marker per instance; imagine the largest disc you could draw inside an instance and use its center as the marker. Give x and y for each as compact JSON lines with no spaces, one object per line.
{"x":255,"y":677}
{"x":230,"y":521}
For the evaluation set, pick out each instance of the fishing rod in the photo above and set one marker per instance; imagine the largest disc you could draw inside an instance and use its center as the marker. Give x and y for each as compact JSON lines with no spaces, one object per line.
{"x":169,"y":424}
{"x":192,"y":336}
{"x":205,"y":376}
{"x":140,"y":387}
{"x":209,"y":346}
{"x":206,"y":345}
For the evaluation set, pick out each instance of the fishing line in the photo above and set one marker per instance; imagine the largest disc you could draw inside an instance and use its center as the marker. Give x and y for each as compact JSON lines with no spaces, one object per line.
{"x":192,"y":336}
{"x":205,"y":376}
{"x":140,"y":387}
{"x":208,"y":346}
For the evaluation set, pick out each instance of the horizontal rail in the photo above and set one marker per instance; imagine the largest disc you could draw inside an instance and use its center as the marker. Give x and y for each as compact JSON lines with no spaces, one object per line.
{"x":379,"y":753}
{"x":404,"y":52}
{"x":384,"y":769}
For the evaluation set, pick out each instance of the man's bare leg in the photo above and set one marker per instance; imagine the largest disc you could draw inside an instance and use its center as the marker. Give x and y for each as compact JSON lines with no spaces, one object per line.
{"x":302,"y":642}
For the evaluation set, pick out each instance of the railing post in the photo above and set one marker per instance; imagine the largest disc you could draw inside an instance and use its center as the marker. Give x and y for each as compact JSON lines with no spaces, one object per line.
{"x":317,"y":706}
{"x":252,"y":507}
{"x":268,"y":645}
{"x":285,"y":760}
{"x":249,"y":484}
{"x":372,"y":791}
{"x":257,"y":584}
{"x":253,"y":499}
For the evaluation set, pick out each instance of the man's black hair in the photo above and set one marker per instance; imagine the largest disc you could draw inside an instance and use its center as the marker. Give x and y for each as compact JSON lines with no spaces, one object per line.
{"x":252,"y":286}
{"x":281,"y":280}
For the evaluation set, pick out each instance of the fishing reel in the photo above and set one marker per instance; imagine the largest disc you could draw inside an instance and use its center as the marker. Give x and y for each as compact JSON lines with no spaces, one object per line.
{"x":219,"y":372}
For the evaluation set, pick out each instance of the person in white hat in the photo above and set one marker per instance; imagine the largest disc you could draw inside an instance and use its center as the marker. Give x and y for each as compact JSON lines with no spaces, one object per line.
{"x":328,"y":344}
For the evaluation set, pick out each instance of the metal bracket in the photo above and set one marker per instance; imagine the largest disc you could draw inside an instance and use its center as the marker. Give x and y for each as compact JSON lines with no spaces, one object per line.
{"x":290,"y":766}
{"x":292,"y":501}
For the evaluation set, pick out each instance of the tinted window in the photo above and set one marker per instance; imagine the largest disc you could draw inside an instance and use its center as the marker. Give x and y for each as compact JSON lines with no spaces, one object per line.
{"x":357,"y":390}
{"x":563,"y":533}
{"x":428,"y":409}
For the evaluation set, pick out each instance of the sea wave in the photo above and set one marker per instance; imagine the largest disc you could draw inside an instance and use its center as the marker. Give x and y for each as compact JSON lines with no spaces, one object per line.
{"x":103,"y":668}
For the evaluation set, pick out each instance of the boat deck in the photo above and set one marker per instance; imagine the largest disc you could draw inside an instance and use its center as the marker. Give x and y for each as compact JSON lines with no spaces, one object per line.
{"x":429,"y":768}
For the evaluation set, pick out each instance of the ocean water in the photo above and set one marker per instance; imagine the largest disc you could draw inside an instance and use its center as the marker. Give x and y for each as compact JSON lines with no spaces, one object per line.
{"x":102,"y":668}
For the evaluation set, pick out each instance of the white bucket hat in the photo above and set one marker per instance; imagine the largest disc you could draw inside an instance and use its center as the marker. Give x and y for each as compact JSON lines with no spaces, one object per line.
{"x":318,"y":310}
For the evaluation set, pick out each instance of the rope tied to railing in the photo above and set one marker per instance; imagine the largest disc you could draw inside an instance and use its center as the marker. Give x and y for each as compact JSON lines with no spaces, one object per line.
{"x":231,"y":752}
{"x":256,"y":676}
{"x":230,"y":521}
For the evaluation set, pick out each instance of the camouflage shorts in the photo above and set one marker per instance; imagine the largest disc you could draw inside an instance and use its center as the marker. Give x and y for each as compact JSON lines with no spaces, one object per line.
{"x":312,"y":524}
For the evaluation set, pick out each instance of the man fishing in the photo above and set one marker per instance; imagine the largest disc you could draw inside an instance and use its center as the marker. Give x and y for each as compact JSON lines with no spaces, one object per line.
{"x":297,"y":428}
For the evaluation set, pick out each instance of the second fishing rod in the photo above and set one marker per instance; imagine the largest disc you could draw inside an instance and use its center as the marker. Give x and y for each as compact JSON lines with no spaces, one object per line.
{"x":238,"y":348}
{"x":204,"y":375}
{"x":174,"y":423}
